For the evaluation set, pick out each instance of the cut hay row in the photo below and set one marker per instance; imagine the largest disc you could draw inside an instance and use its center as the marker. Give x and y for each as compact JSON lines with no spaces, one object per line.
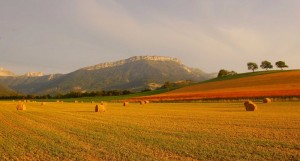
{"x":125,"y":103}
{"x":267,"y":100}
{"x":250,"y":106}
{"x":142,"y":102}
{"x":100,"y":108}
{"x":21,"y":106}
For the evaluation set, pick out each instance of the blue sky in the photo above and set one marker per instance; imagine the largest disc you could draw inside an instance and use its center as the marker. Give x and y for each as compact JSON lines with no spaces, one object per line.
{"x":60,"y":36}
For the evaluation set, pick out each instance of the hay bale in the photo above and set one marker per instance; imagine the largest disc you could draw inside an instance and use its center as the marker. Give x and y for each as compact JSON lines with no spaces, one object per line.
{"x":250,"y":106}
{"x":267,"y":100}
{"x":100,"y":108}
{"x":146,"y":102}
{"x":43,"y":103}
{"x":21,"y":106}
{"x":93,"y":102}
{"x":125,"y":103}
{"x":75,"y":101}
{"x":103,"y":103}
{"x":57,"y":101}
{"x":81,"y":102}
{"x":142,"y":102}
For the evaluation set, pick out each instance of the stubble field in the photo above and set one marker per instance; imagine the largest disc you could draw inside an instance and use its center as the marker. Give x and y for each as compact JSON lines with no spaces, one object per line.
{"x":155,"y":131}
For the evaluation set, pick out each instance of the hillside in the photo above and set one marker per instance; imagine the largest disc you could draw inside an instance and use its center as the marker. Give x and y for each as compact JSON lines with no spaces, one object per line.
{"x":4,"y":91}
{"x":135,"y":73}
{"x":271,"y":84}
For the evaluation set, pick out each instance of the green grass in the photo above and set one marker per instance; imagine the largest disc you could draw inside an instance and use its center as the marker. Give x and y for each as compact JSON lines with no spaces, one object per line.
{"x":182,"y":131}
{"x":108,"y":98}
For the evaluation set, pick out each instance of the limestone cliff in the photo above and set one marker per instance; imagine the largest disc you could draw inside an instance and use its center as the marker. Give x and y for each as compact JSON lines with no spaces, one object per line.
{"x":5,"y":72}
{"x":130,"y":60}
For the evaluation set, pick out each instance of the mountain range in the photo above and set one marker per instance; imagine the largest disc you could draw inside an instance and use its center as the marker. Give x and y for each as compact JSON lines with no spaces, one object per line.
{"x":135,"y":73}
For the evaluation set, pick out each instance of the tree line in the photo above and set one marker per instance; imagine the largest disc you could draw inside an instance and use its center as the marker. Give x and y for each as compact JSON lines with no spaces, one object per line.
{"x":253,"y":66}
{"x":266,"y":65}
{"x":72,"y":94}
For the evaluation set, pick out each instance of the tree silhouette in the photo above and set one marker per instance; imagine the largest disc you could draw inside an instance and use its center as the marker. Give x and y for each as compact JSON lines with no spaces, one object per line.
{"x":281,"y":64}
{"x":252,"y":66}
{"x":266,"y":65}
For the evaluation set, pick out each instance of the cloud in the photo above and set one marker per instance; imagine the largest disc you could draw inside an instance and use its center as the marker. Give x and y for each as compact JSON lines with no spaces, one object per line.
{"x":206,"y":34}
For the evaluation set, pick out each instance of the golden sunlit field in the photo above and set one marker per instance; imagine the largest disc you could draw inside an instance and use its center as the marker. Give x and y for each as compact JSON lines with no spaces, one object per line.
{"x":155,"y":131}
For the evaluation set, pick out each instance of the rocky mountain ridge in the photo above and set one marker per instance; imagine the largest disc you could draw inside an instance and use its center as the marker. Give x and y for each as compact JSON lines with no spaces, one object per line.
{"x":34,"y":74}
{"x":135,"y":74}
{"x":5,"y":72}
{"x":130,"y":60}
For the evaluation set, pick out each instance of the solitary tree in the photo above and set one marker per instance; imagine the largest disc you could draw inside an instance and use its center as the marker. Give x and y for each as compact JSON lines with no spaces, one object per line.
{"x":266,"y":65}
{"x":281,"y":64}
{"x":252,"y":66}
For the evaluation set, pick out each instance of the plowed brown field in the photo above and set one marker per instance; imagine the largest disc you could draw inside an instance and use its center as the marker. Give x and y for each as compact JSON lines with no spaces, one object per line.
{"x":282,"y":84}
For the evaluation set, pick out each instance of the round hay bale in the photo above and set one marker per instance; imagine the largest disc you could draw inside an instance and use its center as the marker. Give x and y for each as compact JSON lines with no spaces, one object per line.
{"x":125,"y":103}
{"x":100,"y":108}
{"x":92,"y":101}
{"x":21,"y":106}
{"x":103,"y":103}
{"x":250,"y":106}
{"x":81,"y":102}
{"x":75,"y":101}
{"x":267,"y":100}
{"x":43,"y":103}
{"x":57,"y":101}
{"x":142,"y":102}
{"x":146,"y":102}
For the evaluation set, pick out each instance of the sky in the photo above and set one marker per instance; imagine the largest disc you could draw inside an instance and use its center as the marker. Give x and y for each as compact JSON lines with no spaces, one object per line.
{"x":61,"y":36}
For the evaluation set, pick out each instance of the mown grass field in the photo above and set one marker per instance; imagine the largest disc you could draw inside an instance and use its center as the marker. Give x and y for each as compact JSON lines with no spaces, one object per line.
{"x":249,"y":85}
{"x":181,"y":131}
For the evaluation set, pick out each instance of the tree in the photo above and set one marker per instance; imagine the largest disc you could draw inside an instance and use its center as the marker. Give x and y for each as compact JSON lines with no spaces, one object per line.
{"x":266,"y":65}
{"x":167,"y":85}
{"x":281,"y":64}
{"x":223,"y":73}
{"x":252,"y":66}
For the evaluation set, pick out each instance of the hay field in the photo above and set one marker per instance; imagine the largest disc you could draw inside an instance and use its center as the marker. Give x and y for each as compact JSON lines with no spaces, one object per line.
{"x":279,"y":84}
{"x":182,"y":131}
